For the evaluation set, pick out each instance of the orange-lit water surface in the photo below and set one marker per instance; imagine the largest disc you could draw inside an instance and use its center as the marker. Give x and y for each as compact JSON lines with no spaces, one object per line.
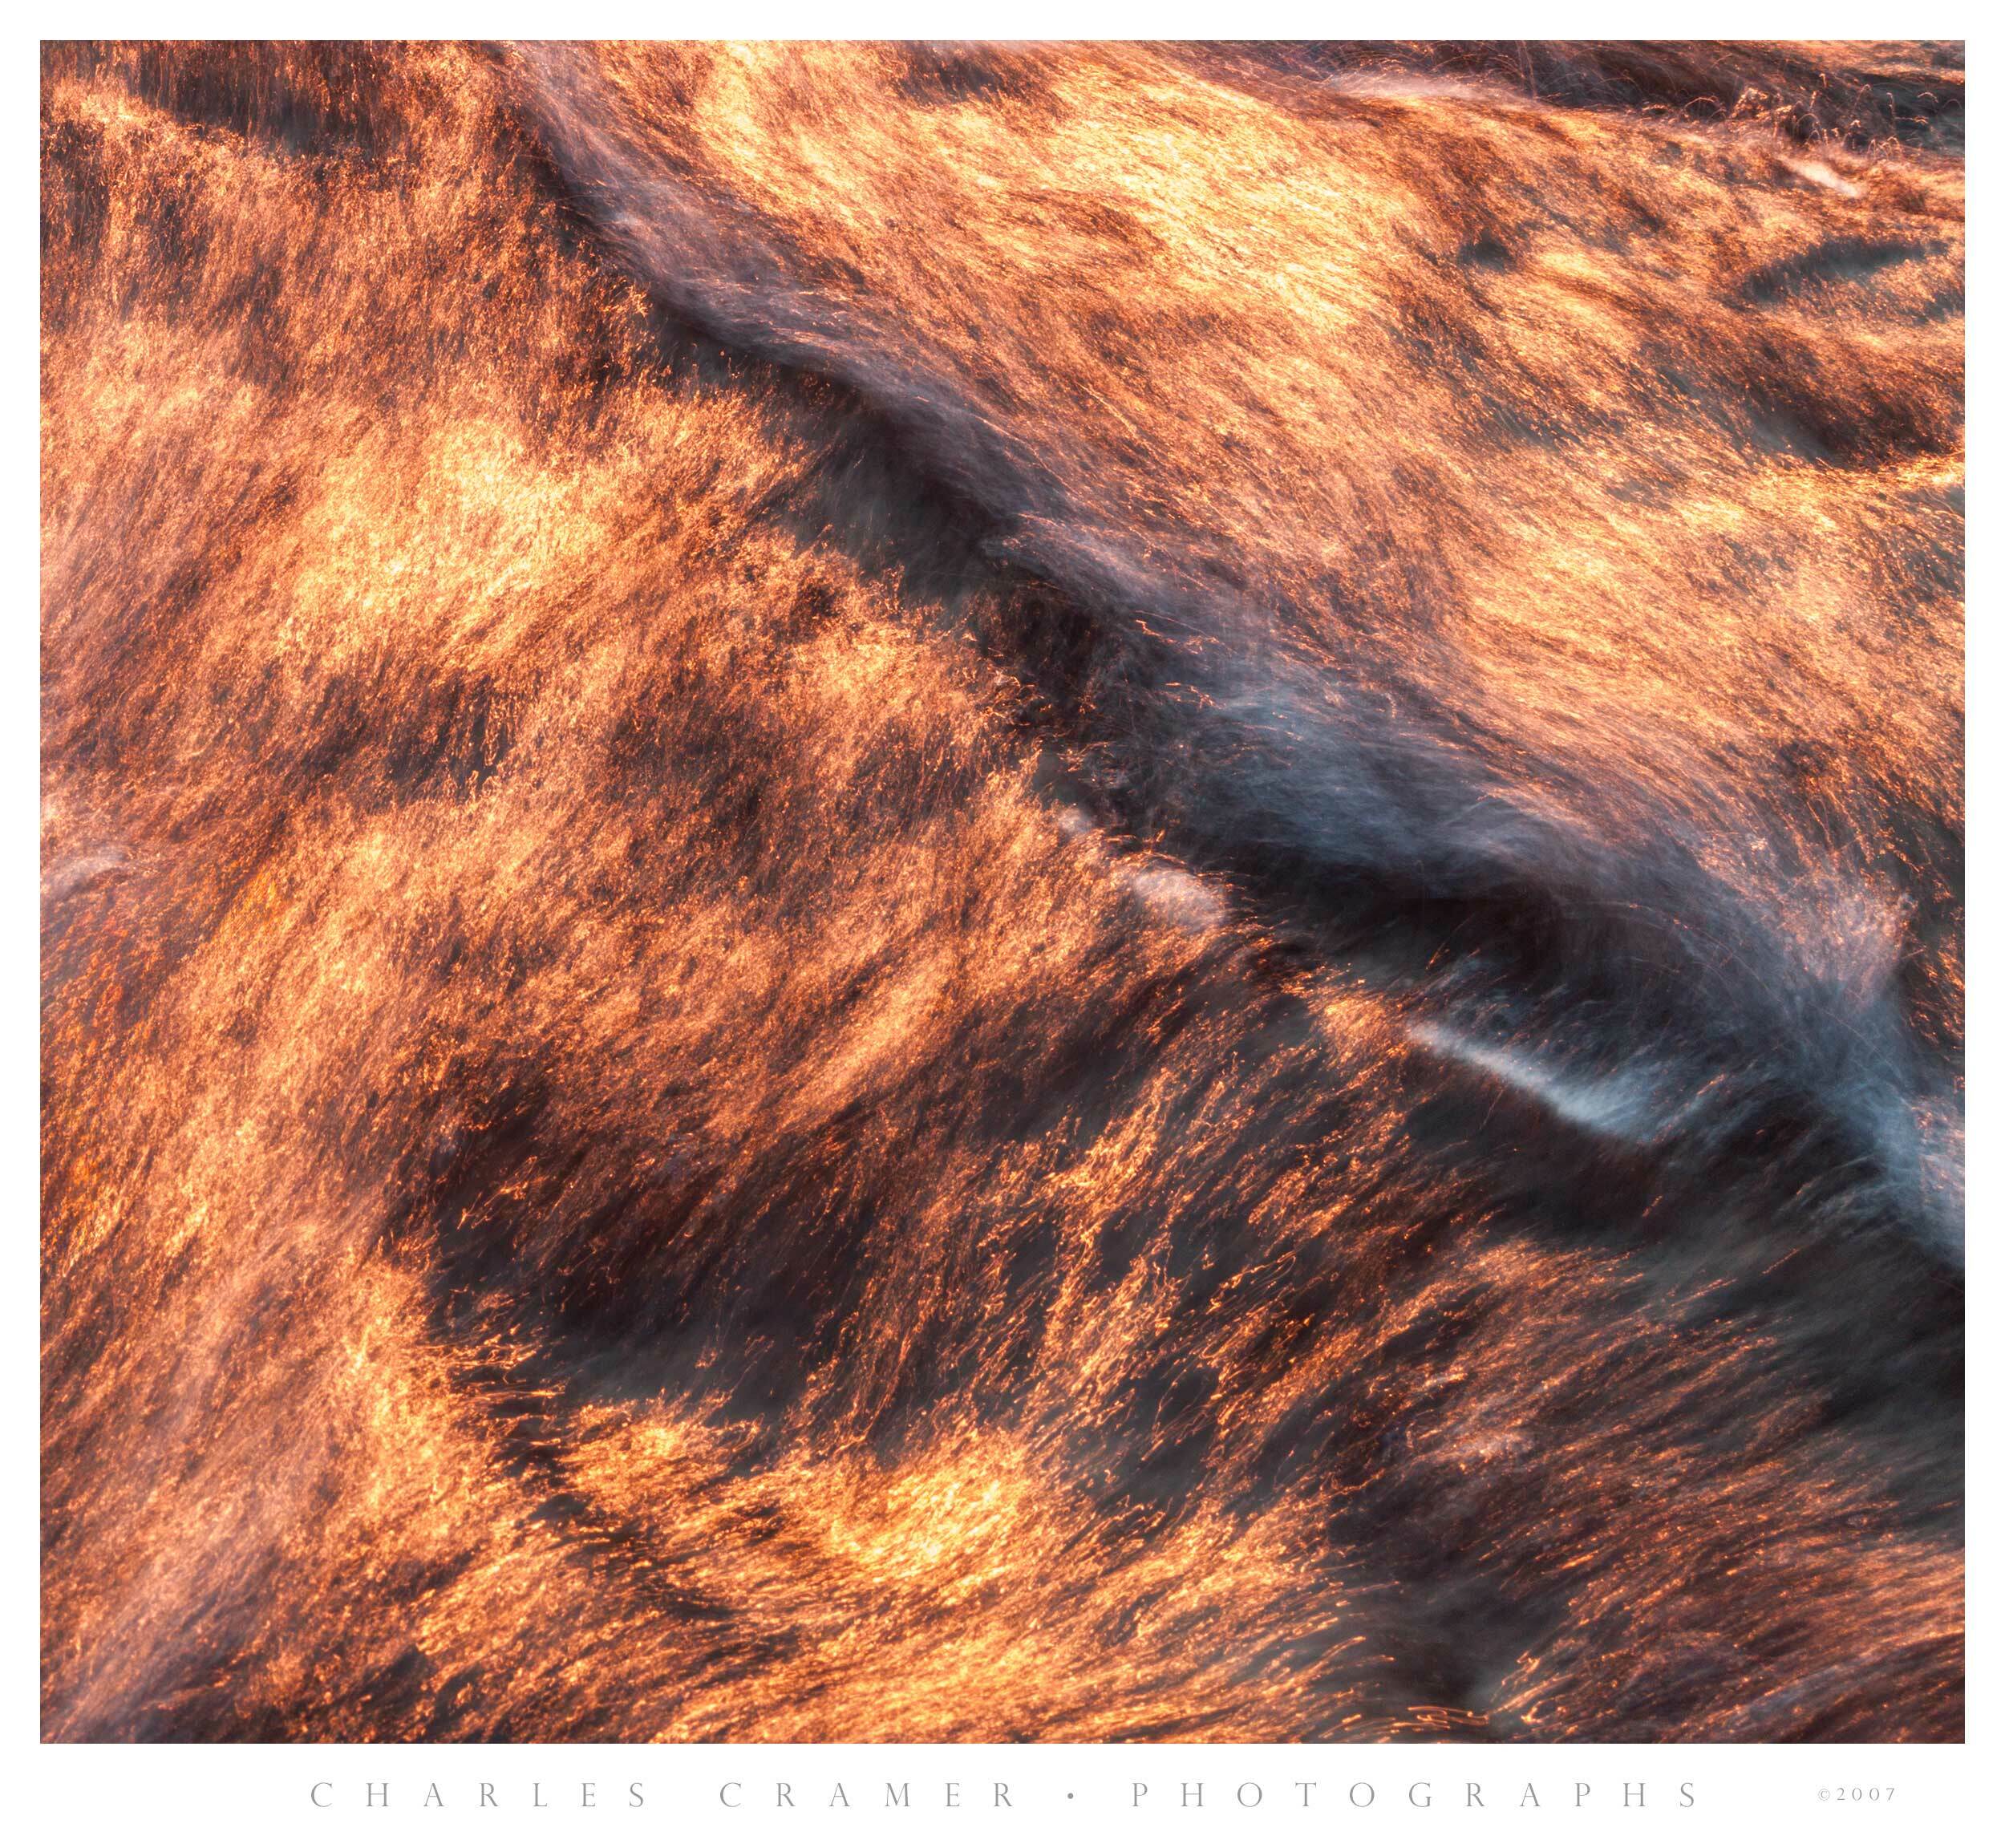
{"x":1078,"y":893}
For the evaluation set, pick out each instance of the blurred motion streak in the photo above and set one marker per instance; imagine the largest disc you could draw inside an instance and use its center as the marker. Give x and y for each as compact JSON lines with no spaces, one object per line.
{"x":914,"y":892}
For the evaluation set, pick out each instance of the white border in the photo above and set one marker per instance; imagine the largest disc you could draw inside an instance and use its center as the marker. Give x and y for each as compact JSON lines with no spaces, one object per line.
{"x":1044,"y":20}
{"x":186,"y":1794}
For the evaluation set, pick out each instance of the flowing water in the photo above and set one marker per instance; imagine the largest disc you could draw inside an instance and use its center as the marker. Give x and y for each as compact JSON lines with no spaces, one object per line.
{"x":936,"y":892}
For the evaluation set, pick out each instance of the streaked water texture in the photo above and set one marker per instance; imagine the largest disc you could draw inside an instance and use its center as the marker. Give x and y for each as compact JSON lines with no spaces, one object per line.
{"x":1029,"y":893}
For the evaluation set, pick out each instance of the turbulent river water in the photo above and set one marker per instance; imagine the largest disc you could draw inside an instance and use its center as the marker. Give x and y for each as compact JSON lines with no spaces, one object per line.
{"x":938,"y":892}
